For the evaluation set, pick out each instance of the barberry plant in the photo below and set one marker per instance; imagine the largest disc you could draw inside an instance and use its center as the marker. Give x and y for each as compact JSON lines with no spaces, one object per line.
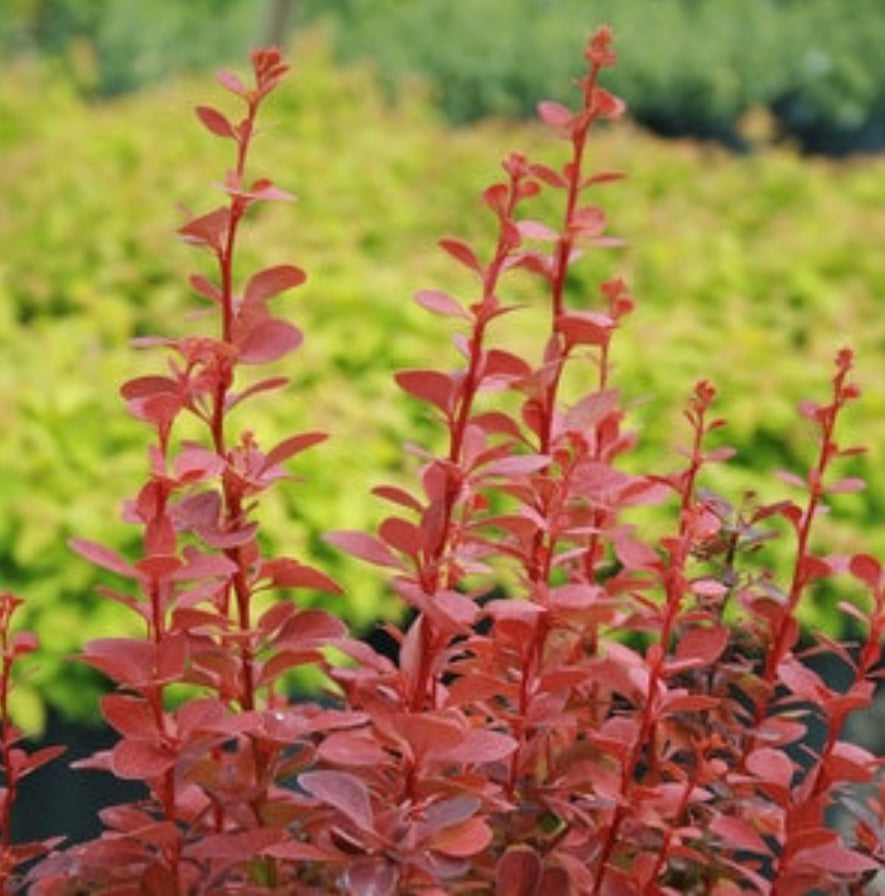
{"x":574,"y":705}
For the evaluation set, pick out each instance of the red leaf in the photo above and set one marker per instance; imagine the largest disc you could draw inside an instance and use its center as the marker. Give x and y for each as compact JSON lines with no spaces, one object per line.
{"x":139,"y":760}
{"x":196,"y":462}
{"x":590,"y":410}
{"x":555,"y":115}
{"x":371,"y":877}
{"x":850,"y":762}
{"x":495,"y":197}
{"x":215,"y":121}
{"x":518,"y":872}
{"x":833,"y":858}
{"x":428,"y":385}
{"x":343,"y":792}
{"x":460,"y":251}
{"x":353,"y":748}
{"x":430,"y":736}
{"x":867,"y":569}
{"x":231,"y":82}
{"x":171,"y":657}
{"x":285,"y":572}
{"x":811,"y":567}
{"x":274,"y":382}
{"x":364,"y":546}
{"x":199,"y":565}
{"x":801,"y":680}
{"x":536,"y":230}
{"x":206,"y":288}
{"x":771,"y":766}
{"x":502,"y":363}
{"x":286,"y":660}
{"x":702,"y":646}
{"x":146,"y":386}
{"x":132,"y":717}
{"x":22,"y":763}
{"x":675,"y":702}
{"x":268,"y":341}
{"x":447,"y":812}
{"x":603,"y":177}
{"x":635,"y":555}
{"x":396,"y":495}
{"x":207,"y":230}
{"x":293,"y":445}
{"x":440,"y":303}
{"x":739,"y":834}
{"x":548,"y":175}
{"x":265,"y":189}
{"x":585,"y":327}
{"x":517,"y":465}
{"x":103,"y":557}
{"x":272,"y":281}
{"x":464,"y":839}
{"x":402,"y":535}
{"x":479,"y":745}
{"x":24,"y":642}
{"x":588,"y":221}
{"x":296,"y":851}
{"x":311,"y":628}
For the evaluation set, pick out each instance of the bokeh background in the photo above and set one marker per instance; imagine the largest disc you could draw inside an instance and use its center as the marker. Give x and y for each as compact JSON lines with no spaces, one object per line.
{"x":753,"y":211}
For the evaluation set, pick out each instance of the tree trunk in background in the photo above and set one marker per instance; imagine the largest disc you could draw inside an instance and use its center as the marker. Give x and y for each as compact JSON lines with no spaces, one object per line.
{"x":279,"y":15}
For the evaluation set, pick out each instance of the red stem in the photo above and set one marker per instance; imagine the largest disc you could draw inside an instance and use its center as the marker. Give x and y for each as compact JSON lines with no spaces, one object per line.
{"x":674,"y":579}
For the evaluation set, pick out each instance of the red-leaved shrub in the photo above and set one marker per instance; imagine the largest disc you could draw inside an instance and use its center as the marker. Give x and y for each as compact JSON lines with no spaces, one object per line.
{"x":624,"y":715}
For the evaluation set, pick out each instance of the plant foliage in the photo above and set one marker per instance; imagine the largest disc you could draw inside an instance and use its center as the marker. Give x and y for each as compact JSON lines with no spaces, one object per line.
{"x":633,"y":717}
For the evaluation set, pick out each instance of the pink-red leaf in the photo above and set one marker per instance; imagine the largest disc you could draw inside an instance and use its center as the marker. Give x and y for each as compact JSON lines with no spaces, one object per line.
{"x":479,"y":745}
{"x":371,"y":877}
{"x":215,"y":121}
{"x":231,"y":82}
{"x":291,"y":446}
{"x":460,"y":251}
{"x":585,"y":327}
{"x":518,"y":872}
{"x":555,"y":115}
{"x":738,"y":833}
{"x":440,"y":303}
{"x":833,"y":858}
{"x":132,"y":717}
{"x":147,"y":386}
{"x":342,"y":791}
{"x":364,"y":546}
{"x":207,"y":230}
{"x":265,"y":385}
{"x":402,"y":535}
{"x":702,"y":646}
{"x":205,"y":288}
{"x":272,"y":281}
{"x":103,"y":557}
{"x":396,"y":495}
{"x":467,"y":838}
{"x":353,"y":748}
{"x":771,"y":766}
{"x":269,"y":340}
{"x":285,"y":572}
{"x":311,"y":628}
{"x":140,"y":760}
{"x":429,"y":385}
{"x":867,"y":569}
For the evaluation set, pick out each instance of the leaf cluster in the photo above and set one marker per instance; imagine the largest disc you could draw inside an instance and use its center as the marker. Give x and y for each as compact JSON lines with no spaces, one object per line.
{"x":633,"y":717}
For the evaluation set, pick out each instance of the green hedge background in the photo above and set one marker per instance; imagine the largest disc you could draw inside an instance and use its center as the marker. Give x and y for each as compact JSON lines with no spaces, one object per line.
{"x":749,"y":268}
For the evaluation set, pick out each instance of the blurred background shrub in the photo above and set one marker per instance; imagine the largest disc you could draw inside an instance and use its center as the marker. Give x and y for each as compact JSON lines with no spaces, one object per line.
{"x":750,"y":268}
{"x":686,"y":67}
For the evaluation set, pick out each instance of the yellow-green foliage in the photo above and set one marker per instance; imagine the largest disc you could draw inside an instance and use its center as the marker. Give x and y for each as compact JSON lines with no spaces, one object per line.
{"x":747,"y":270}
